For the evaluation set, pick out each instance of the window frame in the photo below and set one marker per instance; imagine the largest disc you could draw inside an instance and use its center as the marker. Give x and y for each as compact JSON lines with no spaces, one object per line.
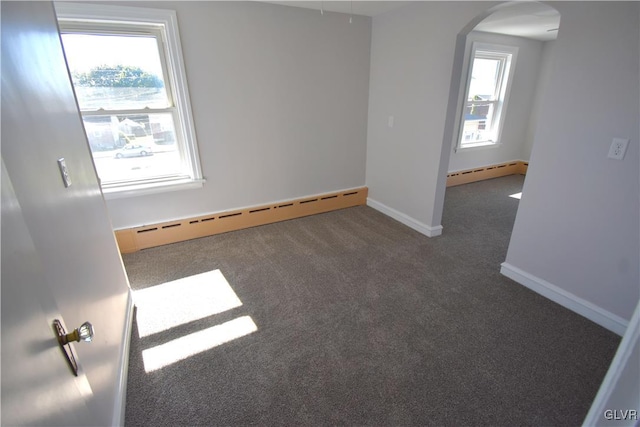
{"x":507,"y":55}
{"x":93,"y":18}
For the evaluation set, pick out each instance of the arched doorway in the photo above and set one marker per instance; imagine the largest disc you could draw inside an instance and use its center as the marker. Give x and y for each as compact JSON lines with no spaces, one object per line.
{"x":530,"y":27}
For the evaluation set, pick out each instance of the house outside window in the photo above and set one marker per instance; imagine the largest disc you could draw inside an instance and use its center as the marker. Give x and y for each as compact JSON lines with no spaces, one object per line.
{"x":128,"y":75}
{"x":490,"y":73}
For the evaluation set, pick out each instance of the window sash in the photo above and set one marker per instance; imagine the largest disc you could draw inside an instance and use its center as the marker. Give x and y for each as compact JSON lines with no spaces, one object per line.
{"x":491,"y":102}
{"x":175,"y":159}
{"x":115,"y":112}
{"x":130,"y":30}
{"x":490,"y":129}
{"x":495,"y":95}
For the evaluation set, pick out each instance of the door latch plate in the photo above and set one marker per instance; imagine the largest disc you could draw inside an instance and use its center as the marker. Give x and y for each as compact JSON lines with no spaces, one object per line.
{"x":66,"y":348}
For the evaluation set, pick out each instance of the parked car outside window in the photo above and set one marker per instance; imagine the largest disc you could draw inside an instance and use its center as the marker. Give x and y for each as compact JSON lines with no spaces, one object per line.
{"x":134,"y":150}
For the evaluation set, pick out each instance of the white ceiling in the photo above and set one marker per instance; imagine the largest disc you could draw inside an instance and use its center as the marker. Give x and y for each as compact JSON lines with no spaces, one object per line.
{"x":524,"y":19}
{"x":366,"y":8}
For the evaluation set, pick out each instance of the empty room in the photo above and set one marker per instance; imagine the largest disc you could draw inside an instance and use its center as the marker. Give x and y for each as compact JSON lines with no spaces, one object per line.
{"x":320,"y":212}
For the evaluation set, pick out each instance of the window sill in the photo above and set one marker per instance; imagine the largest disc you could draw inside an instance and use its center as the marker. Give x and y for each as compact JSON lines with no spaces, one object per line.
{"x":136,"y":190}
{"x":479,"y":146}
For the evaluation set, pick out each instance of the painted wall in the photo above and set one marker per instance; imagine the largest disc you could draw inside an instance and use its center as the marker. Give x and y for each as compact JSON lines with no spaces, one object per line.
{"x":279,"y":97}
{"x":519,"y":106}
{"x":412,"y":54}
{"x":577,"y":225}
{"x":540,"y":89}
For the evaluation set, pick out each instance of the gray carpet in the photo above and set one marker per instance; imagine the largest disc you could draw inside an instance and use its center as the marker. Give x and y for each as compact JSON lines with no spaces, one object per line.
{"x":363,"y":321}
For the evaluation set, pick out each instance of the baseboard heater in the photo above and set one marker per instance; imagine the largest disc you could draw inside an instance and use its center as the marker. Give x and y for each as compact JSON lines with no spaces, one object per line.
{"x":516,"y":167}
{"x":148,"y":236}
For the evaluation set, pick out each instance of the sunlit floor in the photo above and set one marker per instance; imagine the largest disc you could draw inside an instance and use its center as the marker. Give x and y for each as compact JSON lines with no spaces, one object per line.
{"x":517,"y":195}
{"x":172,"y":304}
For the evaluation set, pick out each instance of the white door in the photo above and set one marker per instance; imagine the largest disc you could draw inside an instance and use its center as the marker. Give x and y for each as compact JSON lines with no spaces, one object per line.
{"x":37,"y":387}
{"x":59,"y":256}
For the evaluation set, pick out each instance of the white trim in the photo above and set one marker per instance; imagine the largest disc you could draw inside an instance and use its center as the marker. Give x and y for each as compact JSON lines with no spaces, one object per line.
{"x":121,"y":391}
{"x":629,"y":344}
{"x":154,"y":188}
{"x":420,"y":227}
{"x":478,"y":146}
{"x":596,"y":314}
{"x":83,"y":11}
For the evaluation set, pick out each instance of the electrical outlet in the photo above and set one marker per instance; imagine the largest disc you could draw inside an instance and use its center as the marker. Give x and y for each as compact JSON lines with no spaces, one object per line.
{"x":618,"y":148}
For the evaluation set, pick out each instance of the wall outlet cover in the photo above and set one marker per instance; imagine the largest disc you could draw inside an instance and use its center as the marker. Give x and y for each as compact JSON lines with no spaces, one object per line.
{"x":618,"y":148}
{"x":64,"y":172}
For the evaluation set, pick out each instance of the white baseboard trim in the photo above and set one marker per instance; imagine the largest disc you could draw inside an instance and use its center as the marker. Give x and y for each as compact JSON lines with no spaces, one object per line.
{"x":121,"y":392}
{"x":596,"y":314}
{"x":405,"y":219}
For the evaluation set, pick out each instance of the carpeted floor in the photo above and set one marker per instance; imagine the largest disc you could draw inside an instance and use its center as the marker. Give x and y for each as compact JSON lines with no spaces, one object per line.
{"x":362,"y":321}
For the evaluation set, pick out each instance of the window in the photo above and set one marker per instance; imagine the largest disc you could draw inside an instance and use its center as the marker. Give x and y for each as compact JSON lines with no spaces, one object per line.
{"x":127,"y":71}
{"x":490,"y":73}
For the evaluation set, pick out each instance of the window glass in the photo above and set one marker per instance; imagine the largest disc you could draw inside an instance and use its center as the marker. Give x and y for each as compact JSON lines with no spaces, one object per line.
{"x":133,"y":147}
{"x":115,"y":71}
{"x":484,"y":79}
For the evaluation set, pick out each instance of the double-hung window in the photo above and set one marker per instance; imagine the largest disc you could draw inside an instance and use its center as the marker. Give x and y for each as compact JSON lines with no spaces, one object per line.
{"x":487,"y":91}
{"x":128,"y":75}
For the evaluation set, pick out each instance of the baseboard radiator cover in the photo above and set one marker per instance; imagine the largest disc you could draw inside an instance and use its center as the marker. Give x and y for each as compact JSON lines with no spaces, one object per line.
{"x":515,"y":167}
{"x":596,"y":314}
{"x":148,"y":236}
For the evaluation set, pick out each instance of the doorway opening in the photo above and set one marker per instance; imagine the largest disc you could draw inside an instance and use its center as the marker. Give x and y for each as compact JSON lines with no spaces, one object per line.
{"x":501,"y":67}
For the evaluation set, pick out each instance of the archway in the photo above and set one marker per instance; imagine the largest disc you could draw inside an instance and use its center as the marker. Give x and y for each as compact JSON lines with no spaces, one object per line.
{"x":533,"y":20}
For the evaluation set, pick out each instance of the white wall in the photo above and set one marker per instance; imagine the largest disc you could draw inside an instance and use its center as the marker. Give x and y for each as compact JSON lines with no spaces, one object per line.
{"x":519,"y":106}
{"x":412,"y":54}
{"x":279,"y":97}
{"x":540,"y":89}
{"x":576,"y":231}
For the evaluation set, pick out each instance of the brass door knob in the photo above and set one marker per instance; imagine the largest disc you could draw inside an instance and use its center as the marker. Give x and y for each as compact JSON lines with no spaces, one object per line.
{"x":83,"y":333}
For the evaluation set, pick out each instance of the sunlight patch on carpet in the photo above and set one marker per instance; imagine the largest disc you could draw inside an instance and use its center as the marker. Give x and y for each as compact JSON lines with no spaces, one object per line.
{"x":197,"y":342}
{"x":181,"y":301}
{"x":516,"y":195}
